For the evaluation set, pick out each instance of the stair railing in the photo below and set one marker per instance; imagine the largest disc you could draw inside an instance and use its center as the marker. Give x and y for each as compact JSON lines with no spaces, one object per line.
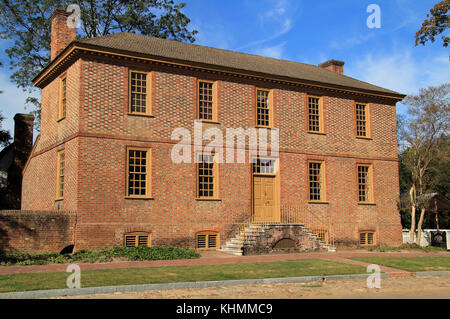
{"x":288,"y":215}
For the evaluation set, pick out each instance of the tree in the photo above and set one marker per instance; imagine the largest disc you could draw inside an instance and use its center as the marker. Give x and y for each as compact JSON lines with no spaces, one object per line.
{"x":5,"y":137}
{"x":423,"y":133}
{"x":435,"y":25}
{"x":27,"y":23}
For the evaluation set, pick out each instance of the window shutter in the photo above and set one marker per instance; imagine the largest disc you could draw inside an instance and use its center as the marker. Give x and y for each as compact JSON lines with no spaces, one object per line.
{"x":369,"y":238}
{"x":139,"y":239}
{"x":130,"y":241}
{"x":142,"y":240}
{"x":201,"y":241}
{"x":212,"y":241}
{"x":207,"y":240}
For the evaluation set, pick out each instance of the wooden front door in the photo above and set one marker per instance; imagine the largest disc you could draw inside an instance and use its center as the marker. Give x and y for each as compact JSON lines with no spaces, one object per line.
{"x":264,"y":199}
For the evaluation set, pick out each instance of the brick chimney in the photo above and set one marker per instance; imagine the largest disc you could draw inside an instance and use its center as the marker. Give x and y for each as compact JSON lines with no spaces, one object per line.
{"x":22,"y":146}
{"x":333,"y":65}
{"x":61,"y":34}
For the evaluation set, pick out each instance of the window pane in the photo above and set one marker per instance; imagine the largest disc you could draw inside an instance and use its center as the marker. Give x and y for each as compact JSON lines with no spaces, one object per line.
{"x":138,"y":92}
{"x":315,"y":181}
{"x":262,"y":108}
{"x":313,"y":114}
{"x":137,"y":172}
{"x":205,"y":100}
{"x":205,"y":169}
{"x":361,"y":120}
{"x":363,"y":183}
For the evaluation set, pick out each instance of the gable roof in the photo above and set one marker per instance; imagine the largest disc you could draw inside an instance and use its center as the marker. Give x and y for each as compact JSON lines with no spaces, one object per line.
{"x":231,"y":61}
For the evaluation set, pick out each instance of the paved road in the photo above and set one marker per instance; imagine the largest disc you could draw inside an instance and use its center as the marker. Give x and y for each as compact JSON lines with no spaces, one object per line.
{"x":431,"y":287}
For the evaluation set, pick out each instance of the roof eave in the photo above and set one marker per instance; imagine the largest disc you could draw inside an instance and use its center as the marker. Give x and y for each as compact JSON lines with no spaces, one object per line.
{"x":84,"y":46}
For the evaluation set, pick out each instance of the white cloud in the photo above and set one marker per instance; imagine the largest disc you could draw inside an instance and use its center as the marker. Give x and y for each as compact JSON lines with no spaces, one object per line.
{"x":275,"y":17}
{"x":275,"y":51}
{"x":401,"y":71}
{"x":346,"y":42}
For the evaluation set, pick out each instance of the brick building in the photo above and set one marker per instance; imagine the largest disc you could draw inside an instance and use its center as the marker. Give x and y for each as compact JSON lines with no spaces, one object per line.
{"x":110,"y":106}
{"x":13,"y":159}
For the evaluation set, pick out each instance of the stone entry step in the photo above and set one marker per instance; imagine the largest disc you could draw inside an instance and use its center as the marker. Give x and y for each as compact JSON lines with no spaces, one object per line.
{"x":265,"y":239}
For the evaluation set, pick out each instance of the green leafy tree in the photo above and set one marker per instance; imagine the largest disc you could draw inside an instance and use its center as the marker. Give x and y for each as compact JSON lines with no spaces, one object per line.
{"x":423,"y":134}
{"x":5,"y":137}
{"x":27,"y":24}
{"x":436,"y":23}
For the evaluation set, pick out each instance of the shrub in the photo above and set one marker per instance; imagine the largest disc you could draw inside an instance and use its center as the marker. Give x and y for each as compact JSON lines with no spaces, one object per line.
{"x":84,"y":256}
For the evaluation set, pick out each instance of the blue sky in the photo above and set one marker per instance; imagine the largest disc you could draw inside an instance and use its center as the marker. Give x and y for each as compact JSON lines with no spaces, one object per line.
{"x":309,"y":32}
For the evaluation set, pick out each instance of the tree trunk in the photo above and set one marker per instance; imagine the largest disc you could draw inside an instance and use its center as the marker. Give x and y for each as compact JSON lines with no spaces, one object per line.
{"x":412,"y":194}
{"x":419,"y":226}
{"x":437,"y":213}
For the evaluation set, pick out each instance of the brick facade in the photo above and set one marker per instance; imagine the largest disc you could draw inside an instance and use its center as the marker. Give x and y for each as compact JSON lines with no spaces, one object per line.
{"x":36,"y":231}
{"x":98,"y":129}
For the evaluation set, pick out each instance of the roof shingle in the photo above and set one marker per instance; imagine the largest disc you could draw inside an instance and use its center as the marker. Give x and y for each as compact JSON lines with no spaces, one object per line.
{"x":229,"y":59}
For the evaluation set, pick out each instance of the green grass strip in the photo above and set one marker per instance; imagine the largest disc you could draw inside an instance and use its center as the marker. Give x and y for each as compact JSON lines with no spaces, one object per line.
{"x":412,"y":264}
{"x":172,"y":274}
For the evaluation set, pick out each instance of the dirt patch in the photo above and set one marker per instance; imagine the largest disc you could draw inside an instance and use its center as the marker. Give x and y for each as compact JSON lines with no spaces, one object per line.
{"x":403,"y":287}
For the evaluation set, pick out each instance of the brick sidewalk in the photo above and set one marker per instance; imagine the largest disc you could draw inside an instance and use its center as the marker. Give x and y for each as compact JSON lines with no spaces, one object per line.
{"x":218,"y":258}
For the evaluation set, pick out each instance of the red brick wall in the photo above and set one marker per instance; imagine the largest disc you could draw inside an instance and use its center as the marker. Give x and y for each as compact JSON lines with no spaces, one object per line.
{"x":36,"y":231}
{"x":96,"y":155}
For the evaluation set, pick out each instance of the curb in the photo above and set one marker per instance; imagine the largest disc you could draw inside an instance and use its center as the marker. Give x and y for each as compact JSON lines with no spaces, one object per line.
{"x":181,"y":285}
{"x":433,"y":273}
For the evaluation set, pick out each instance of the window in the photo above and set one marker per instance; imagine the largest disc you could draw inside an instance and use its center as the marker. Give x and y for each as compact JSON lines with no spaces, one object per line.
{"x":62,"y":98}
{"x":264,"y":166}
{"x":367,"y":238}
{"x":60,"y":175}
{"x":138,"y":239}
{"x":362,"y":120}
{"x":207,"y":240}
{"x":138,"y":174}
{"x":316,"y":181}
{"x":365,"y":183}
{"x":263,"y":111}
{"x":139,"y":93}
{"x":315,"y":116}
{"x":207,"y":109}
{"x":207,"y":177}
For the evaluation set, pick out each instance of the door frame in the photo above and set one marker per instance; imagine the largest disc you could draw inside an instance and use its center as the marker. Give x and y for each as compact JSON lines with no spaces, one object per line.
{"x":276,"y":190}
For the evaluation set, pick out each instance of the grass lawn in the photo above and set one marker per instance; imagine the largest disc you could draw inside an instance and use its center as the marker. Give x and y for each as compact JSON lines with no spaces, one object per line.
{"x":410,"y":264}
{"x":151,"y":275}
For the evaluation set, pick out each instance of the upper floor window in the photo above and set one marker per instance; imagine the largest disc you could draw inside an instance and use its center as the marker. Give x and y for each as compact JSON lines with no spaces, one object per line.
{"x":316,"y":181}
{"x":315,"y":114}
{"x":365,"y":184}
{"x":139,"y":93}
{"x":263,"y":108}
{"x":207,"y":108}
{"x":138,"y":172}
{"x":207,"y":177}
{"x":362,"y":120}
{"x":60,"y":175}
{"x":62,"y":98}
